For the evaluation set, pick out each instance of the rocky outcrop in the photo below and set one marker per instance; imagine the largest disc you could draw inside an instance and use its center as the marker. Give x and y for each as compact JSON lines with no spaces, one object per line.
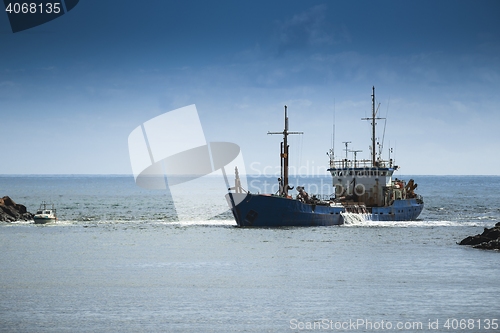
{"x":488,"y":240}
{"x":10,"y":211}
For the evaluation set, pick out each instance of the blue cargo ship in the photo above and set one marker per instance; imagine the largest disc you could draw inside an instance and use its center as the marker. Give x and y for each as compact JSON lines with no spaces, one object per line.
{"x":361,"y":188}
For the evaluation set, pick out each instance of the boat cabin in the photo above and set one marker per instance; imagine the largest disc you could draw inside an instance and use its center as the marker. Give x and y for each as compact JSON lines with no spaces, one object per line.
{"x":359,"y":182}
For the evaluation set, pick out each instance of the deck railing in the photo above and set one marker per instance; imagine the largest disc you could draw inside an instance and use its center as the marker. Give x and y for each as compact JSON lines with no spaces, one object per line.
{"x":352,"y":164}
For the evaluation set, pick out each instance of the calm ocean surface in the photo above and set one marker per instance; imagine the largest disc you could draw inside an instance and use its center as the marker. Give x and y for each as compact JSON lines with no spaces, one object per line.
{"x":121,"y":260}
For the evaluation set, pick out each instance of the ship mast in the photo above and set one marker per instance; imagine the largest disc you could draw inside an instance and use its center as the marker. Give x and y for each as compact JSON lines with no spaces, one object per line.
{"x":284,"y":157}
{"x":373,"y":118}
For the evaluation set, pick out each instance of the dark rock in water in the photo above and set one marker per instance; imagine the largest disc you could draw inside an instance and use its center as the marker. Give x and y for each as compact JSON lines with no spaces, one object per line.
{"x":488,"y":240}
{"x":10,"y":211}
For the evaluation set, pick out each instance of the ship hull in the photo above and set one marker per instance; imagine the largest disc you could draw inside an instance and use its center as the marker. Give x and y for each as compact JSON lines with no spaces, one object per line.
{"x":266,"y":211}
{"x":43,"y":220}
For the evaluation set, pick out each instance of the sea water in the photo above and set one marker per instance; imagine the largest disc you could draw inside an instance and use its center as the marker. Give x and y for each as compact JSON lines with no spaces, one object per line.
{"x":120,"y":260}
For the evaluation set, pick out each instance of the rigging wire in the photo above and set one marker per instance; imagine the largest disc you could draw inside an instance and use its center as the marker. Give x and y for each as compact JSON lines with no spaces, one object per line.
{"x":300,"y":145}
{"x":381,"y":147}
{"x":333,"y":132}
{"x":296,"y":143}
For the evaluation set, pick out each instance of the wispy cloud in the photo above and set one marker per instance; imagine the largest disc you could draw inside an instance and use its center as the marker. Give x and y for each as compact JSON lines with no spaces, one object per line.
{"x":309,"y":28}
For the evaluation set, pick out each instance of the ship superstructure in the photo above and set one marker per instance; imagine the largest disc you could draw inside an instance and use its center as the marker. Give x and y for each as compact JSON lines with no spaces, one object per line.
{"x":370,"y":182}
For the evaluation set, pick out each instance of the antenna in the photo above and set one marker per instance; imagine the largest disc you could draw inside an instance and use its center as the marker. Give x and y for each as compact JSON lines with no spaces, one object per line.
{"x":373,"y":118}
{"x":355,"y":154}
{"x":331,"y":152}
{"x":333,"y":129}
{"x":346,"y":149}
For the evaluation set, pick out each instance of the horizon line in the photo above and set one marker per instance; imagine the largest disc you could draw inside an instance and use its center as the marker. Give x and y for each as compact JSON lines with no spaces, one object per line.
{"x":188,"y":175}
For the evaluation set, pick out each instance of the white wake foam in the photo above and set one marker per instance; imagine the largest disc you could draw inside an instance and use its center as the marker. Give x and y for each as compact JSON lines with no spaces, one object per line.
{"x":365,"y":220}
{"x":356,"y":218}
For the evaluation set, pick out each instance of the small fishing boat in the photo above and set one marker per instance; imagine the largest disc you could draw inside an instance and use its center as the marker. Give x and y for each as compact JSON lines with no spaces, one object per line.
{"x":46,"y":213}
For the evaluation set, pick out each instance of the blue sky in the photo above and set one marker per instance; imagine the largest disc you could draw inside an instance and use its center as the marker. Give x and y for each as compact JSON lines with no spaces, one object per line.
{"x":73,"y":89}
